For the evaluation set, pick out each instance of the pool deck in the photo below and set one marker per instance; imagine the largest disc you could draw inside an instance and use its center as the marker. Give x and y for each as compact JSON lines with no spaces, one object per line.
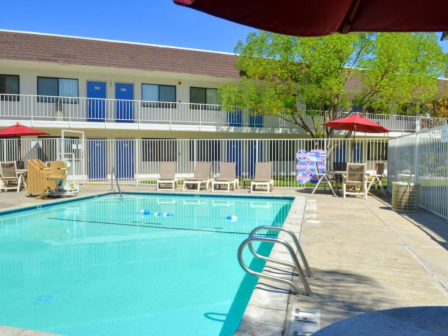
{"x":365,"y":257}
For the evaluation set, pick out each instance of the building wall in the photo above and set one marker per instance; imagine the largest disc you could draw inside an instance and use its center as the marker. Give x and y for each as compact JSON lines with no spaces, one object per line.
{"x":29,"y":71}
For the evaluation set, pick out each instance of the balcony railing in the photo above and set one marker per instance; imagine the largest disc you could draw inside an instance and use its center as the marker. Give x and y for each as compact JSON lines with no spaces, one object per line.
{"x":70,"y":109}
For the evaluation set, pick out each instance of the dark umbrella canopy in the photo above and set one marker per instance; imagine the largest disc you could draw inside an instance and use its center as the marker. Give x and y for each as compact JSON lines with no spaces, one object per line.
{"x":323,"y":17}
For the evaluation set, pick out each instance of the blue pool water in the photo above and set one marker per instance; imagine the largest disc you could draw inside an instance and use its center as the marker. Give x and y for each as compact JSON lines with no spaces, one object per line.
{"x":100,"y":267}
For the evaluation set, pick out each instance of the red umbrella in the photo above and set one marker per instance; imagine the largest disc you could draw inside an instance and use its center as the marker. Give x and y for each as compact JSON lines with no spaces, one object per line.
{"x":19,"y":131}
{"x":323,"y":17}
{"x":356,"y":123}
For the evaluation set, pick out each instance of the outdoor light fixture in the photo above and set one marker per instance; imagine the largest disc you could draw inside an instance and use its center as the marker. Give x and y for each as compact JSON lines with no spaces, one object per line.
{"x":444,"y":36}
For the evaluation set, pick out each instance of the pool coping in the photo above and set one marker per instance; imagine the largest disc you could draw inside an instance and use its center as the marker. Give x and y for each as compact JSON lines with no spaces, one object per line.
{"x":266,"y":312}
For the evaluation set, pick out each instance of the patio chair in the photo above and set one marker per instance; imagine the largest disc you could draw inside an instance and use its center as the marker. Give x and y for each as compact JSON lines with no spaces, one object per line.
{"x":377,"y":177}
{"x":355,"y":177}
{"x":227,"y":177}
{"x":58,"y":171}
{"x":37,"y":175}
{"x":201,"y":176}
{"x":9,"y":176}
{"x":325,"y":178}
{"x":167,"y":176}
{"x":263,"y":178}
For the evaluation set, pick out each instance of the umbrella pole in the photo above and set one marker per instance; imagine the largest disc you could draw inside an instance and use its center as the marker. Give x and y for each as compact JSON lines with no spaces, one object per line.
{"x":20,"y":153}
{"x":353,"y":145}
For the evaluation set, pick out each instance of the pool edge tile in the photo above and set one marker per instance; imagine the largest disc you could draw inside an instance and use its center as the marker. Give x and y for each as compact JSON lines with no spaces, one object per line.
{"x":265,"y":301}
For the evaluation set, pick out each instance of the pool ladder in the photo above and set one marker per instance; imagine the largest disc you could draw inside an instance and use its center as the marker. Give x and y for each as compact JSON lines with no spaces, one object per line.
{"x":295,"y":264}
{"x":113,"y":176}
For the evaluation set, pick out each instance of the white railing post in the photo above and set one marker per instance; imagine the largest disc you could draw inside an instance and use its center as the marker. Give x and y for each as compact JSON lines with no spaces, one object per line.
{"x":137,"y":160}
{"x":416,"y":158}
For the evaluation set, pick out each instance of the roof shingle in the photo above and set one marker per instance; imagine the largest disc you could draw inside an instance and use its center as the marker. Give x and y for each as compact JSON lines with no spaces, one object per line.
{"x":79,"y":51}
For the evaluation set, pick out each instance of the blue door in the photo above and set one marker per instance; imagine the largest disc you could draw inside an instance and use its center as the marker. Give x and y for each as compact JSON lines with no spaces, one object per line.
{"x":234,"y":154}
{"x":97,"y":159}
{"x":357,"y":153}
{"x":124,"y":93}
{"x":235,"y":118}
{"x":253,"y":155}
{"x":124,"y":165}
{"x":255,"y":120}
{"x":339,"y":154}
{"x":96,"y":92}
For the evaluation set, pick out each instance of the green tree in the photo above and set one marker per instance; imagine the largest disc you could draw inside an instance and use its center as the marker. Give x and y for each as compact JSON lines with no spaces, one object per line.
{"x":305,"y":80}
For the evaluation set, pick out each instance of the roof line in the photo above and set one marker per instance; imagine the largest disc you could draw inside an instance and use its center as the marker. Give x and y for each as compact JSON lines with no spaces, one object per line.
{"x":116,"y":41}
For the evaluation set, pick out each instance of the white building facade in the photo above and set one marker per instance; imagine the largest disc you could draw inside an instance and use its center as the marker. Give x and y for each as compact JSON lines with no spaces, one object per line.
{"x":139,"y":104}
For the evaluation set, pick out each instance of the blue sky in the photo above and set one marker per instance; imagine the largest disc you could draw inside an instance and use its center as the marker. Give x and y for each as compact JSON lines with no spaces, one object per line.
{"x":149,"y":21}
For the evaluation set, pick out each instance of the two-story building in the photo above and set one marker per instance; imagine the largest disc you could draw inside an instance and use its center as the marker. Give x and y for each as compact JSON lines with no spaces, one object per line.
{"x":112,"y":90}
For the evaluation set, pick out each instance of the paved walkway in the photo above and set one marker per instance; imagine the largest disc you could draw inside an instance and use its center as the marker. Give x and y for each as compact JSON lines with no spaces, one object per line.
{"x":365,"y":256}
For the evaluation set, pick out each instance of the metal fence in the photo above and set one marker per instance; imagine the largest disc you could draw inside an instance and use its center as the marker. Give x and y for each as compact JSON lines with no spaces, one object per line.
{"x":167,"y":114}
{"x":422,"y":158}
{"x":137,"y":161}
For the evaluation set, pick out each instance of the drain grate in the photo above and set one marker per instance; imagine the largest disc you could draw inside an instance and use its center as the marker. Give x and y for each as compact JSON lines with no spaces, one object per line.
{"x":46,"y":298}
{"x":303,"y":322}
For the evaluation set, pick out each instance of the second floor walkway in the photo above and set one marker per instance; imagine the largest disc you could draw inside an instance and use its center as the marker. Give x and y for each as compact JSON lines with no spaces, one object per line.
{"x":57,"y":112}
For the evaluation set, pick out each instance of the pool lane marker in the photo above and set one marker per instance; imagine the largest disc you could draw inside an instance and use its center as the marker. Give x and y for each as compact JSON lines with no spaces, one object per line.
{"x":156,"y":226}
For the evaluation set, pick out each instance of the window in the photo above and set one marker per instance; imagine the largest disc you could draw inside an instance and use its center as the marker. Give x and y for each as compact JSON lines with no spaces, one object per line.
{"x":9,"y":87}
{"x":57,"y":87}
{"x":159,"y":150}
{"x":159,"y":93}
{"x":207,"y":150}
{"x":201,"y":96}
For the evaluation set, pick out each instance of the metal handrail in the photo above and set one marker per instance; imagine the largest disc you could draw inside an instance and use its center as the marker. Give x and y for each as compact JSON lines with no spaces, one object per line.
{"x":116,"y":181}
{"x":296,"y":242}
{"x":266,"y":276}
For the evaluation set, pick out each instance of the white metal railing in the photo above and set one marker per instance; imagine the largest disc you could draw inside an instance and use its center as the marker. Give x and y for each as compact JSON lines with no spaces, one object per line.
{"x":405,"y":122}
{"x":79,"y":109}
{"x":137,"y":161}
{"x":422,"y":158}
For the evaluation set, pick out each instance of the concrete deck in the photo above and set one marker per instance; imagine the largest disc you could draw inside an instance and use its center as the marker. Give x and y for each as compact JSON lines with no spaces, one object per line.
{"x":365,"y":257}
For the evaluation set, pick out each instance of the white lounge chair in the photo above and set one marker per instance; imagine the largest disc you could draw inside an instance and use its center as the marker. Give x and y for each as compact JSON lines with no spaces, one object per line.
{"x":9,"y":177}
{"x":201,"y":176}
{"x":227,"y":178}
{"x":355,"y":177}
{"x":263,"y":178}
{"x":167,"y":180}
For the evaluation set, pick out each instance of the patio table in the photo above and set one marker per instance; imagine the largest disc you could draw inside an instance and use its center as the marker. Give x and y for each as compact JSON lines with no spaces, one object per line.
{"x":369,"y":174}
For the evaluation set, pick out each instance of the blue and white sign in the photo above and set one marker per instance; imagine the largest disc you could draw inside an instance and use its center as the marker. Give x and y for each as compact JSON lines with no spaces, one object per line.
{"x":302,"y":178}
{"x":302,"y":155}
{"x":314,"y":179}
{"x":302,"y":167}
{"x":321,"y":167}
{"x":306,"y":166}
{"x":317,"y":155}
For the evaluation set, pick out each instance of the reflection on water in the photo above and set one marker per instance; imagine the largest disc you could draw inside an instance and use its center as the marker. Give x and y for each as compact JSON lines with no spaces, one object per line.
{"x":103,"y":259}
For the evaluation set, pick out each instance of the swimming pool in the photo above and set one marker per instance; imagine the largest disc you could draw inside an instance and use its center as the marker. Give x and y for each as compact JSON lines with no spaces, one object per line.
{"x":100,"y":266}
